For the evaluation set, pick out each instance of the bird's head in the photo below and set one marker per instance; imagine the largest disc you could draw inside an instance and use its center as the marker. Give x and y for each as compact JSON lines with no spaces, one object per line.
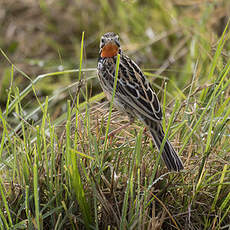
{"x":109,"y":45}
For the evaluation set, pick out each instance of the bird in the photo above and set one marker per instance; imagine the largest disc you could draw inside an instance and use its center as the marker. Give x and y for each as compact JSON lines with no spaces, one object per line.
{"x":134,"y":95}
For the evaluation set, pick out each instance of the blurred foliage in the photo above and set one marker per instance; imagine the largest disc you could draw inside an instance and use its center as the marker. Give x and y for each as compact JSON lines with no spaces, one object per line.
{"x":164,"y":37}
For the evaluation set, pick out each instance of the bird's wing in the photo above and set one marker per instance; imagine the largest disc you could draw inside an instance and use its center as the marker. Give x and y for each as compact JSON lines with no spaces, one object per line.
{"x":134,"y":89}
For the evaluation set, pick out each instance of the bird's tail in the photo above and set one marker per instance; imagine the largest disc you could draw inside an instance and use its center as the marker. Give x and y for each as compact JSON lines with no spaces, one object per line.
{"x":169,"y":155}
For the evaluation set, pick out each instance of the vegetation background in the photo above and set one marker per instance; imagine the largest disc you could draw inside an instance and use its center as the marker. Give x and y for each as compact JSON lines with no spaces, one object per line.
{"x":59,"y":172}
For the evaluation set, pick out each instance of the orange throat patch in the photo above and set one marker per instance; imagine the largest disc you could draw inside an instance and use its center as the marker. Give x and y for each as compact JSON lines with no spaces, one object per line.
{"x":109,"y":50}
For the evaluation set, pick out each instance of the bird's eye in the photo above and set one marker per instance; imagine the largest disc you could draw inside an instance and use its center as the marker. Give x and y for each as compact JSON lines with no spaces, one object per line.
{"x":102,"y":40}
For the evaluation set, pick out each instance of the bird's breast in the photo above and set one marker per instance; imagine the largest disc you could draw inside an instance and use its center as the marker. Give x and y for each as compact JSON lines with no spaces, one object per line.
{"x":106,"y":65}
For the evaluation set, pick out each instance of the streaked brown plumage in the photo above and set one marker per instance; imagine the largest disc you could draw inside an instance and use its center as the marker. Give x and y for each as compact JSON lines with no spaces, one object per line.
{"x":134,"y":95}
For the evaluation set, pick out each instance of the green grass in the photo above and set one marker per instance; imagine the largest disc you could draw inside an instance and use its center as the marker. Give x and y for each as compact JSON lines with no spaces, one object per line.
{"x":58,"y":167}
